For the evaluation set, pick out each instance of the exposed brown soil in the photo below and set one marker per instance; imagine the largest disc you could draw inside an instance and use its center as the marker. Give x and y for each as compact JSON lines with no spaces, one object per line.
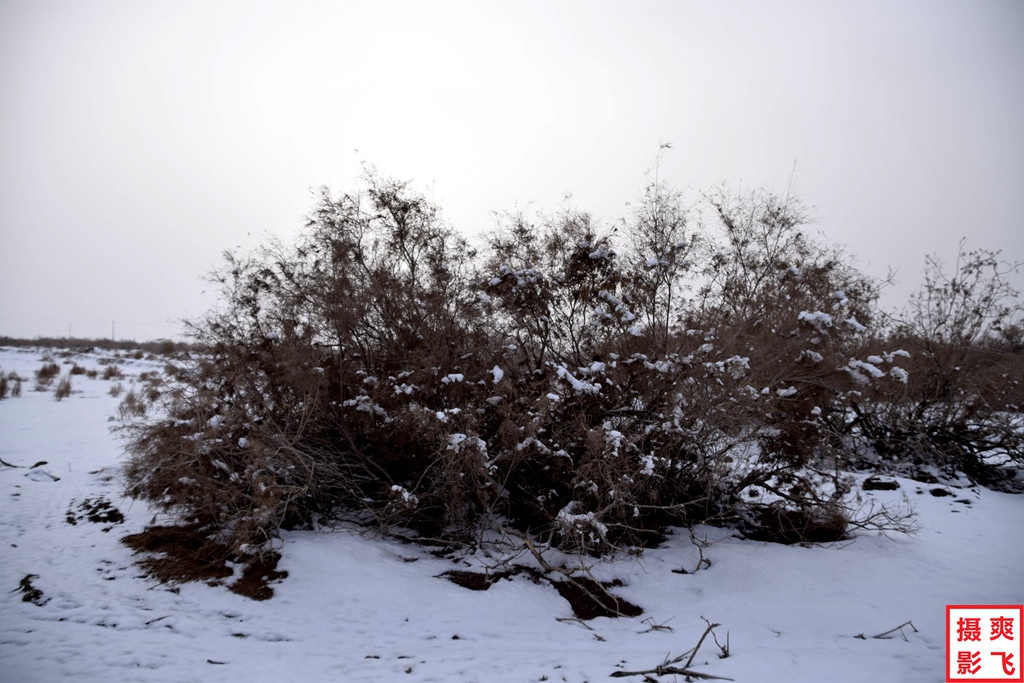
{"x":257,"y":576}
{"x":30,"y":593}
{"x":877,"y":483}
{"x":588,"y":598}
{"x":780,"y":525}
{"x":97,"y":511}
{"x":475,"y":581}
{"x":176,"y":554}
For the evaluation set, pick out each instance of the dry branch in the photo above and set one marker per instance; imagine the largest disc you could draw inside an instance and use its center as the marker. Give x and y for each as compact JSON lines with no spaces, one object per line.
{"x":668,"y":666}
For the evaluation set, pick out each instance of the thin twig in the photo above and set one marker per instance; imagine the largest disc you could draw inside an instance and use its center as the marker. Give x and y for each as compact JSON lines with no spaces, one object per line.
{"x":663,"y":670}
{"x":655,"y":626}
{"x":700,"y":642}
{"x":667,"y":666}
{"x":575,"y":619}
{"x":898,"y":628}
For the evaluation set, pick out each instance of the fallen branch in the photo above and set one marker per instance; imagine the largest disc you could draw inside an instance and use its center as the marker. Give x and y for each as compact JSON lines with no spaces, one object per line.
{"x":667,"y":667}
{"x":663,"y":670}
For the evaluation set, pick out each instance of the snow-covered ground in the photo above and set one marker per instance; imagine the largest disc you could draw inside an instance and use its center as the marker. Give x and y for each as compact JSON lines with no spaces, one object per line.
{"x":358,"y":608}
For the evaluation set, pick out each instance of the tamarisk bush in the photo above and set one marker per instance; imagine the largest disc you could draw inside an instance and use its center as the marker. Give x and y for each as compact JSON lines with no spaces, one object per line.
{"x":959,"y":410}
{"x":582,"y":385}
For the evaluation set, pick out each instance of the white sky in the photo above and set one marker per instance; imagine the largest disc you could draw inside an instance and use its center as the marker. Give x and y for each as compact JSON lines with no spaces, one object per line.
{"x":139,"y":139}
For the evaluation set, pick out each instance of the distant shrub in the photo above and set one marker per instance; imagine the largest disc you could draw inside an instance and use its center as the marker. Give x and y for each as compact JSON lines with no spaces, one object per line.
{"x":10,"y":384}
{"x":112,"y":371}
{"x":48,"y":371}
{"x":45,"y":375}
{"x":131,"y":405}
{"x":163,"y":347}
{"x":63,"y":389}
{"x":116,"y":389}
{"x":77,"y":369}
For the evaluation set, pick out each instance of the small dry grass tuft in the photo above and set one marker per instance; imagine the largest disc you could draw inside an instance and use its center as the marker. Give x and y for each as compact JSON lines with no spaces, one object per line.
{"x":116,"y":389}
{"x":132,"y":406}
{"x":153,"y":382}
{"x":45,"y":375}
{"x":63,"y":389}
{"x":113,"y":371}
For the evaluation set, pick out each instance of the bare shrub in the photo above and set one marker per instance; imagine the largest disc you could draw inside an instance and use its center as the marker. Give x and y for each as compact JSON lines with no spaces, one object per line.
{"x":77,"y":369}
{"x":45,"y":375}
{"x":957,"y":408}
{"x":112,"y":371}
{"x":116,"y":389}
{"x":131,"y":406}
{"x":560,"y":382}
{"x":4,"y":386}
{"x":63,"y":389}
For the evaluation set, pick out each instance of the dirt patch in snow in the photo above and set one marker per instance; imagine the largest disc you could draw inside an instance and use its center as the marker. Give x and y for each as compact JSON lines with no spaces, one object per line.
{"x":589,"y":599}
{"x":95,"y":510}
{"x":30,"y":593}
{"x":177,"y":554}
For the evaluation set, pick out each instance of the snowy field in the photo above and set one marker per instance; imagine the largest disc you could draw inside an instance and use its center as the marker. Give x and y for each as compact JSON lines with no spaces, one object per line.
{"x":75,"y":607}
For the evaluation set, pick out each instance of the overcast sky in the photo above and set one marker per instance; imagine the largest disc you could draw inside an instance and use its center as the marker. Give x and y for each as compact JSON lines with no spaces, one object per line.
{"x":139,"y":139}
